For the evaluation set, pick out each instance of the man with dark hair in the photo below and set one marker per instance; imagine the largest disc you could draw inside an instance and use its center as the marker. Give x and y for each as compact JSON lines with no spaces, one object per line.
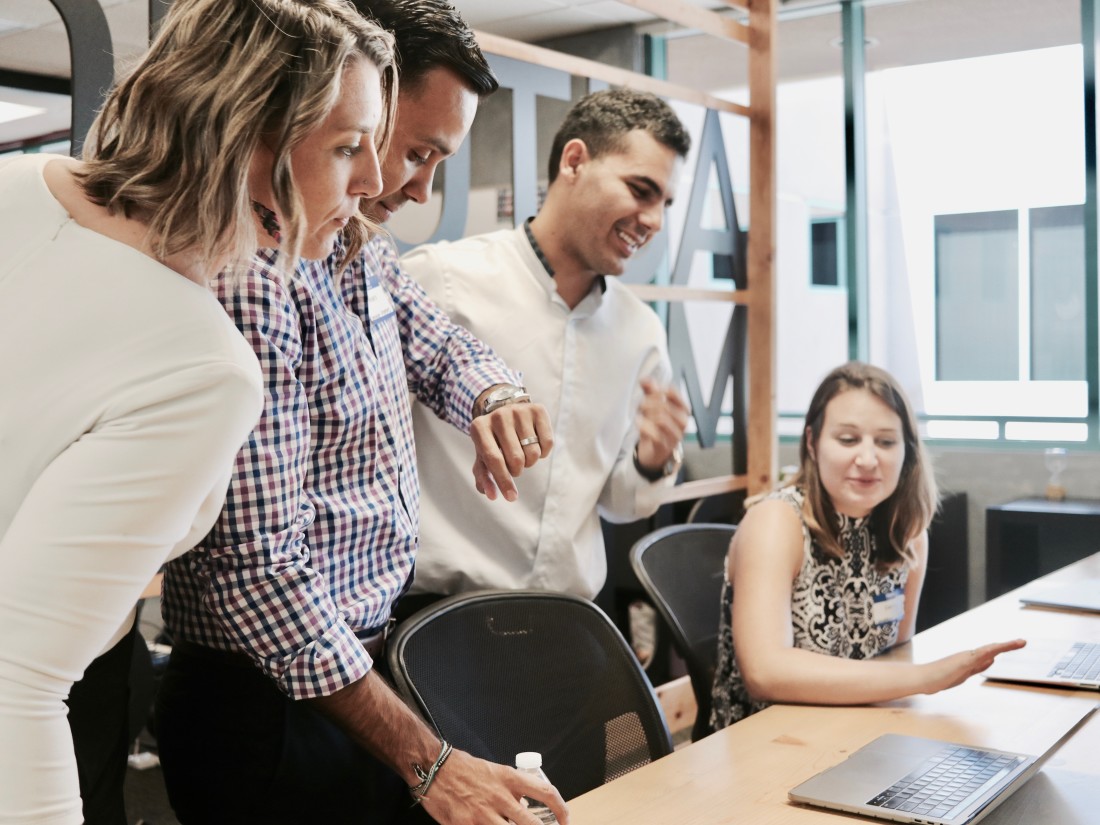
{"x":431,"y":36}
{"x":443,"y":75}
{"x":274,"y":708}
{"x":589,"y":349}
{"x":603,"y":121}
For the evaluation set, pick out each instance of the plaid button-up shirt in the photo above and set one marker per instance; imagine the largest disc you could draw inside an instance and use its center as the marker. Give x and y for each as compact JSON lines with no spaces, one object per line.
{"x":319,"y":531}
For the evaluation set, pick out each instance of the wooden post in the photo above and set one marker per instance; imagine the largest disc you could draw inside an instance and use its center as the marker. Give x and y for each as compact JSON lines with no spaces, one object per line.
{"x":761,"y":247}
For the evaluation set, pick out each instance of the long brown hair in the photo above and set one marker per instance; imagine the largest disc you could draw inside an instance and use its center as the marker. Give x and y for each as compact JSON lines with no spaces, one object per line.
{"x":908,"y":511}
{"x":174,"y":140}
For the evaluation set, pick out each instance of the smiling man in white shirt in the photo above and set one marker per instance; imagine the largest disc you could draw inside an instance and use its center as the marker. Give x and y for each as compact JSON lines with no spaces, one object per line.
{"x":591,"y":351}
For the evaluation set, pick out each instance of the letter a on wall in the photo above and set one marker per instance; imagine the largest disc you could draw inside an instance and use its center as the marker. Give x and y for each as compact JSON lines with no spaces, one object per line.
{"x":727,"y":246}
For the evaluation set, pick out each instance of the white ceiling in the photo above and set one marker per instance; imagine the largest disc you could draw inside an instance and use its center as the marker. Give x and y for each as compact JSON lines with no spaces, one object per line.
{"x":898,"y":33}
{"x":33,"y":39}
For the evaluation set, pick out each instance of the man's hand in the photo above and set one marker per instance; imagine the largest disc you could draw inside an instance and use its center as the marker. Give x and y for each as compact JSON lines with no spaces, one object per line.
{"x":466,"y":790}
{"x":471,"y":791}
{"x":508,"y":440}
{"x":662,"y":419}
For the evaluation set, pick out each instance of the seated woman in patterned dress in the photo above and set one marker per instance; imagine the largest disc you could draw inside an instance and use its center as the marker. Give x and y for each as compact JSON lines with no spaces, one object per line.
{"x":828,"y":571}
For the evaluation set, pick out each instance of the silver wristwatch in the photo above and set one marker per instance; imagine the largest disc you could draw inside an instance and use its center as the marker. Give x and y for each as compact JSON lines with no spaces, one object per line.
{"x":502,"y":396}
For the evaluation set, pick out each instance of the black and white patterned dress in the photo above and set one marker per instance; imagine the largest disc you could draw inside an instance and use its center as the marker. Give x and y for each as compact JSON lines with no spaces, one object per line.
{"x":831,"y":609}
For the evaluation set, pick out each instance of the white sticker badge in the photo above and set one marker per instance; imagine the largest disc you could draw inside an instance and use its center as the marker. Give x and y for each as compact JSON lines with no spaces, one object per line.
{"x":888,"y":607}
{"x":379,"y":305}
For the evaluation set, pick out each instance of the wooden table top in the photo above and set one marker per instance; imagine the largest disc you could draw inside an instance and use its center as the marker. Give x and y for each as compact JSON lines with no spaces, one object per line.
{"x":742,"y":774}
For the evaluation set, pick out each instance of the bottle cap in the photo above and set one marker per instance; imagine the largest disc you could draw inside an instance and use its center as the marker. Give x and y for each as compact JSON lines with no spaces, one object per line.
{"x":528,"y":760}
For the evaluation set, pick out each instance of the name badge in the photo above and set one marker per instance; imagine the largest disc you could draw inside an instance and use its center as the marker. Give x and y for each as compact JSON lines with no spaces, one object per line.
{"x":379,"y":305}
{"x":888,"y":607}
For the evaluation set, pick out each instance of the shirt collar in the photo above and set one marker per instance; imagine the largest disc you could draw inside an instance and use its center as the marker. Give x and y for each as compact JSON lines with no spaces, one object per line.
{"x":600,"y":279}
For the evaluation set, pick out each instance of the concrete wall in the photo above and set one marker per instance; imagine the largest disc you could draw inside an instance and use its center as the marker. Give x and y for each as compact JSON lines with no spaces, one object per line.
{"x":995,"y":476}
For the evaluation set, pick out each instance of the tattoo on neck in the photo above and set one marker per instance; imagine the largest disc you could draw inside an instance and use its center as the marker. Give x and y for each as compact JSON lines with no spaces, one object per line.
{"x":269,"y":220}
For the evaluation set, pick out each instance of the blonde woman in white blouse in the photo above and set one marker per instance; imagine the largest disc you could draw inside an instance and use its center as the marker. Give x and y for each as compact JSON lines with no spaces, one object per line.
{"x":125,"y":390}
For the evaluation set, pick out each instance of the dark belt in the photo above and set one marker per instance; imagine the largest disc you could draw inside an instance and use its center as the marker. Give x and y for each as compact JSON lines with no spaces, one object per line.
{"x":373,"y":641}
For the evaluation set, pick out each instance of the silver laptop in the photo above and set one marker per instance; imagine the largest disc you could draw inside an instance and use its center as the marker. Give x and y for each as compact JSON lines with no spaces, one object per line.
{"x":908,"y":779}
{"x":1081,"y":595}
{"x":1050,"y":662}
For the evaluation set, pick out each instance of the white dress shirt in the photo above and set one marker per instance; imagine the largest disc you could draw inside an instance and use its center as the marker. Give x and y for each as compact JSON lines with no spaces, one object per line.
{"x":585,"y":366}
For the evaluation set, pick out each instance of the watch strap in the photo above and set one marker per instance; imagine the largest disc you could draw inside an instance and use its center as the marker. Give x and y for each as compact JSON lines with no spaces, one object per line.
{"x":670,"y":466}
{"x":503,"y":396}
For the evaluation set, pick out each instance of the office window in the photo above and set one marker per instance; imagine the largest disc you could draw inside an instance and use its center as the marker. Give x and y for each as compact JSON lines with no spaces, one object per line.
{"x":975,"y":257}
{"x":998,"y":319}
{"x":1057,"y":293}
{"x":977,"y":297}
{"x":826,"y":251}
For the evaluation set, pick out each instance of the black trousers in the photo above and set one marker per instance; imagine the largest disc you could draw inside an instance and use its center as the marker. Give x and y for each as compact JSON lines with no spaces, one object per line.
{"x":235,"y":750}
{"x":99,"y":718}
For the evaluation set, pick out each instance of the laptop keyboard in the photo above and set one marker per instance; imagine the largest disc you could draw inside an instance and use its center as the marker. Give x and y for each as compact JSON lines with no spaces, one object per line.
{"x":944,"y":781}
{"x":1082,"y":662}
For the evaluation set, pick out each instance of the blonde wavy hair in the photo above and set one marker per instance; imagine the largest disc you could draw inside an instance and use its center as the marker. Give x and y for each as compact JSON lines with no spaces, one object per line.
{"x":899,"y":520}
{"x":173,"y":142}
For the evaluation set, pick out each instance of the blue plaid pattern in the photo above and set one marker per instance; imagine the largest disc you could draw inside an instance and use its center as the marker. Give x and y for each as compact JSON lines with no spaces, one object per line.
{"x":319,"y":531}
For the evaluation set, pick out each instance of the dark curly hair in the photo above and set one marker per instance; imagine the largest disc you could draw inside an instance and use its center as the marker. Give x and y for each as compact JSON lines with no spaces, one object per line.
{"x":602,"y":120}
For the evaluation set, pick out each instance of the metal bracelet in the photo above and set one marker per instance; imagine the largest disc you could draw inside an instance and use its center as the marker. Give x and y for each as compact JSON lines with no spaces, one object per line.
{"x":420,"y":792}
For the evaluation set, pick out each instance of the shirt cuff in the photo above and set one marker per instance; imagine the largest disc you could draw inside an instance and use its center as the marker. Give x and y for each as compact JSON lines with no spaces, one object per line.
{"x":327,"y":664}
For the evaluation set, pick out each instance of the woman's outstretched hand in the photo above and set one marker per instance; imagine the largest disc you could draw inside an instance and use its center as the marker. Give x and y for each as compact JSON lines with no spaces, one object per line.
{"x":956,"y":669}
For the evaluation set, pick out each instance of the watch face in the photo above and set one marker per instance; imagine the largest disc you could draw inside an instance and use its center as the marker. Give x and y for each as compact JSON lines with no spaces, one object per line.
{"x":674,"y":461}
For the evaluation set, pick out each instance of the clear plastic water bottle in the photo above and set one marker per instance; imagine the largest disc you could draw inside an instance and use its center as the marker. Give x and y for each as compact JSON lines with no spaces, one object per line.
{"x":530,"y":762}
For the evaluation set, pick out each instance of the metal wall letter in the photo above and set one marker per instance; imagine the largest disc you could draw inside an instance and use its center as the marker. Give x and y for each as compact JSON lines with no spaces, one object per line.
{"x":728,"y":243}
{"x":90,"y":54}
{"x":527,"y":81}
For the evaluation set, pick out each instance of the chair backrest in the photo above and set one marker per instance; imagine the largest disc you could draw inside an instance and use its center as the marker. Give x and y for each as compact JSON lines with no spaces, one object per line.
{"x":721,"y":508}
{"x":500,"y":672}
{"x":681,"y":568}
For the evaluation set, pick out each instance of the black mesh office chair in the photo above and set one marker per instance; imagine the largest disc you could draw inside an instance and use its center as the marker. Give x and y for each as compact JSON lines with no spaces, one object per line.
{"x":721,"y":508}
{"x":681,"y":568}
{"x":500,"y":672}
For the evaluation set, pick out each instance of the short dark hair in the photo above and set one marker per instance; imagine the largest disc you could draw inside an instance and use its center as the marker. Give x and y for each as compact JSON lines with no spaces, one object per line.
{"x":431,"y":33}
{"x":603,"y":119}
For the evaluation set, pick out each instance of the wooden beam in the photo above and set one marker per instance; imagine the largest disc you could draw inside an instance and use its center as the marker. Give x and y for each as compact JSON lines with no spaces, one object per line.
{"x":678,"y":702}
{"x":693,"y":17}
{"x":704,"y":487}
{"x":658,"y":292}
{"x":763,"y":447}
{"x":609,"y":74}
{"x":737,"y":5}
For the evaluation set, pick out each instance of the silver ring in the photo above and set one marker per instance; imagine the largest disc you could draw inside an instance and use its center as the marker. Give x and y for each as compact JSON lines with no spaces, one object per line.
{"x":531,"y":439}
